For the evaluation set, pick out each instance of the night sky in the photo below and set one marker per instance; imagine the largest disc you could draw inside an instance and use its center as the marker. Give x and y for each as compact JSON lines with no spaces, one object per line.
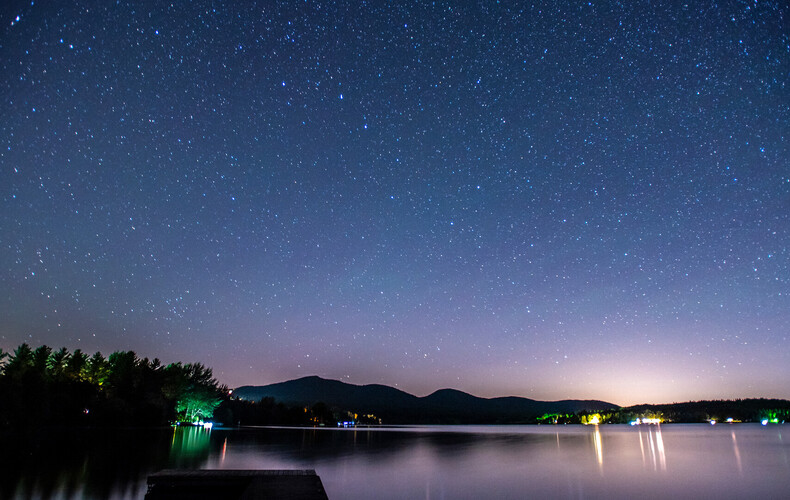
{"x":552,"y":200}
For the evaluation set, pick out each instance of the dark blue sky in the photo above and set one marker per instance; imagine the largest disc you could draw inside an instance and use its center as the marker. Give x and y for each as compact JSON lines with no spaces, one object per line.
{"x":554,"y":200}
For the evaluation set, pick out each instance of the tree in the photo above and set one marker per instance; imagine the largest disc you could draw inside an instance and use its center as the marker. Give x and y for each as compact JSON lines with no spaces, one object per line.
{"x":98,"y":370}
{"x":41,"y":360}
{"x":42,"y":387}
{"x":20,"y":362}
{"x":198,"y":404}
{"x":123,"y":377}
{"x":76,"y":366}
{"x":57,"y":362}
{"x":196,"y":392}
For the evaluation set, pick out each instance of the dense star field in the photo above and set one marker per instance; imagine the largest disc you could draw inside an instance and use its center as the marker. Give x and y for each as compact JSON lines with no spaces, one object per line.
{"x":553,"y":200}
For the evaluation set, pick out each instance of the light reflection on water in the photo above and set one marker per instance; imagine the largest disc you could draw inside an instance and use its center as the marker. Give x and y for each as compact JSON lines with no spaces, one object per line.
{"x":190,"y":442}
{"x":602,"y":461}
{"x":652,"y":446}
{"x":598,"y":446}
{"x":737,"y":452}
{"x":597,"y":461}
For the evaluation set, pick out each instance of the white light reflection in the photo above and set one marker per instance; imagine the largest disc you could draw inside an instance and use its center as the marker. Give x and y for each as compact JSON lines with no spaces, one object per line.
{"x":654,"y":443}
{"x":642,"y":447}
{"x":598,"y":446}
{"x":662,"y":456}
{"x":737,"y":453}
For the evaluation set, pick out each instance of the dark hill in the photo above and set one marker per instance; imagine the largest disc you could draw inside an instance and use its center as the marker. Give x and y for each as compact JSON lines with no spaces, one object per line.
{"x":396,"y":406}
{"x":310,"y":390}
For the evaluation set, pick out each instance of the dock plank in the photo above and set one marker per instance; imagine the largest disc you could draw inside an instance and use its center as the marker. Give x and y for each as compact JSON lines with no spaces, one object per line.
{"x":211,"y":484}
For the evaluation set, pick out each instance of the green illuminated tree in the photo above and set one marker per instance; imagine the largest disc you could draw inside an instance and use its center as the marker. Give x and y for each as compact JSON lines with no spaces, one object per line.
{"x":197,"y":404}
{"x":196,"y":392}
{"x":57,"y":362}
{"x":97,"y":370}
{"x":76,"y":366}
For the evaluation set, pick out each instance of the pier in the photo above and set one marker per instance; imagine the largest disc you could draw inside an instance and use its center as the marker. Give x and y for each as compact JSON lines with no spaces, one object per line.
{"x":235,"y":485}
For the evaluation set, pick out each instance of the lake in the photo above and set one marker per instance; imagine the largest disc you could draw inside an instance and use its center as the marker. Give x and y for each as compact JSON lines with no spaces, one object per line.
{"x":431,"y":462}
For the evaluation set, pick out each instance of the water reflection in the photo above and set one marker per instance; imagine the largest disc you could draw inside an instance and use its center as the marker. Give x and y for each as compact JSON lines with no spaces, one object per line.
{"x":190,"y":444}
{"x":224,"y":451}
{"x":652,"y":446}
{"x":598,"y":443}
{"x":427,"y":462}
{"x":79,"y":463}
{"x":94,"y":463}
{"x":738,"y":452}
{"x":515,"y":462}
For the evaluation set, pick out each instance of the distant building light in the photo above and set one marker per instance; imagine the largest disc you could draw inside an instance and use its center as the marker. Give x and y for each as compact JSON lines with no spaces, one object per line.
{"x":646,"y":421}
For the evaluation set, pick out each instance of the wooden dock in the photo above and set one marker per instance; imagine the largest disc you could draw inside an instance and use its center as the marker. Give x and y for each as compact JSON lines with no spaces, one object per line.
{"x":217,"y":484}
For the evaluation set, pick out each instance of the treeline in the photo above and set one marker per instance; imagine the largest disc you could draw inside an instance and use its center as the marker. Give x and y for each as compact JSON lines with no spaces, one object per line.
{"x":56,"y":387}
{"x":43,"y":387}
{"x":267,"y":411}
{"x":739,"y":410}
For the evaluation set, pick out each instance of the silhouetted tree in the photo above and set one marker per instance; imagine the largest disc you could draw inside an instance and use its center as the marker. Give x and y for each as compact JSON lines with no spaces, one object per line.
{"x":20,"y":362}
{"x":40,"y":387}
{"x":76,"y":367}
{"x":41,"y":360}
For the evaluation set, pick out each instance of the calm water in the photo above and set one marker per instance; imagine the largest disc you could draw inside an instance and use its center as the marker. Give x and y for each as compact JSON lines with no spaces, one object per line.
{"x":670,"y":461}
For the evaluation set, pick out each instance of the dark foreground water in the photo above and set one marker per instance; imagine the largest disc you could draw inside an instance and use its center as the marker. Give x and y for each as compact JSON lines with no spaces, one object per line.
{"x":670,"y":461}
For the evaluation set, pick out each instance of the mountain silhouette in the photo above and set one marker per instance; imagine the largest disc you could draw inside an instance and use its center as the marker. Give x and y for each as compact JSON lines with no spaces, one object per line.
{"x":398,"y":407}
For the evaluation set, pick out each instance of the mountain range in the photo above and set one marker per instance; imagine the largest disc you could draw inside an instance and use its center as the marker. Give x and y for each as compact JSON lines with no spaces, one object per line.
{"x":395,"y":406}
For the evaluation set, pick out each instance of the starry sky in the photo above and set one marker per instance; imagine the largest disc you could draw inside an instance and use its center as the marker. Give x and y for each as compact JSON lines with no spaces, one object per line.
{"x":551,"y":199}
